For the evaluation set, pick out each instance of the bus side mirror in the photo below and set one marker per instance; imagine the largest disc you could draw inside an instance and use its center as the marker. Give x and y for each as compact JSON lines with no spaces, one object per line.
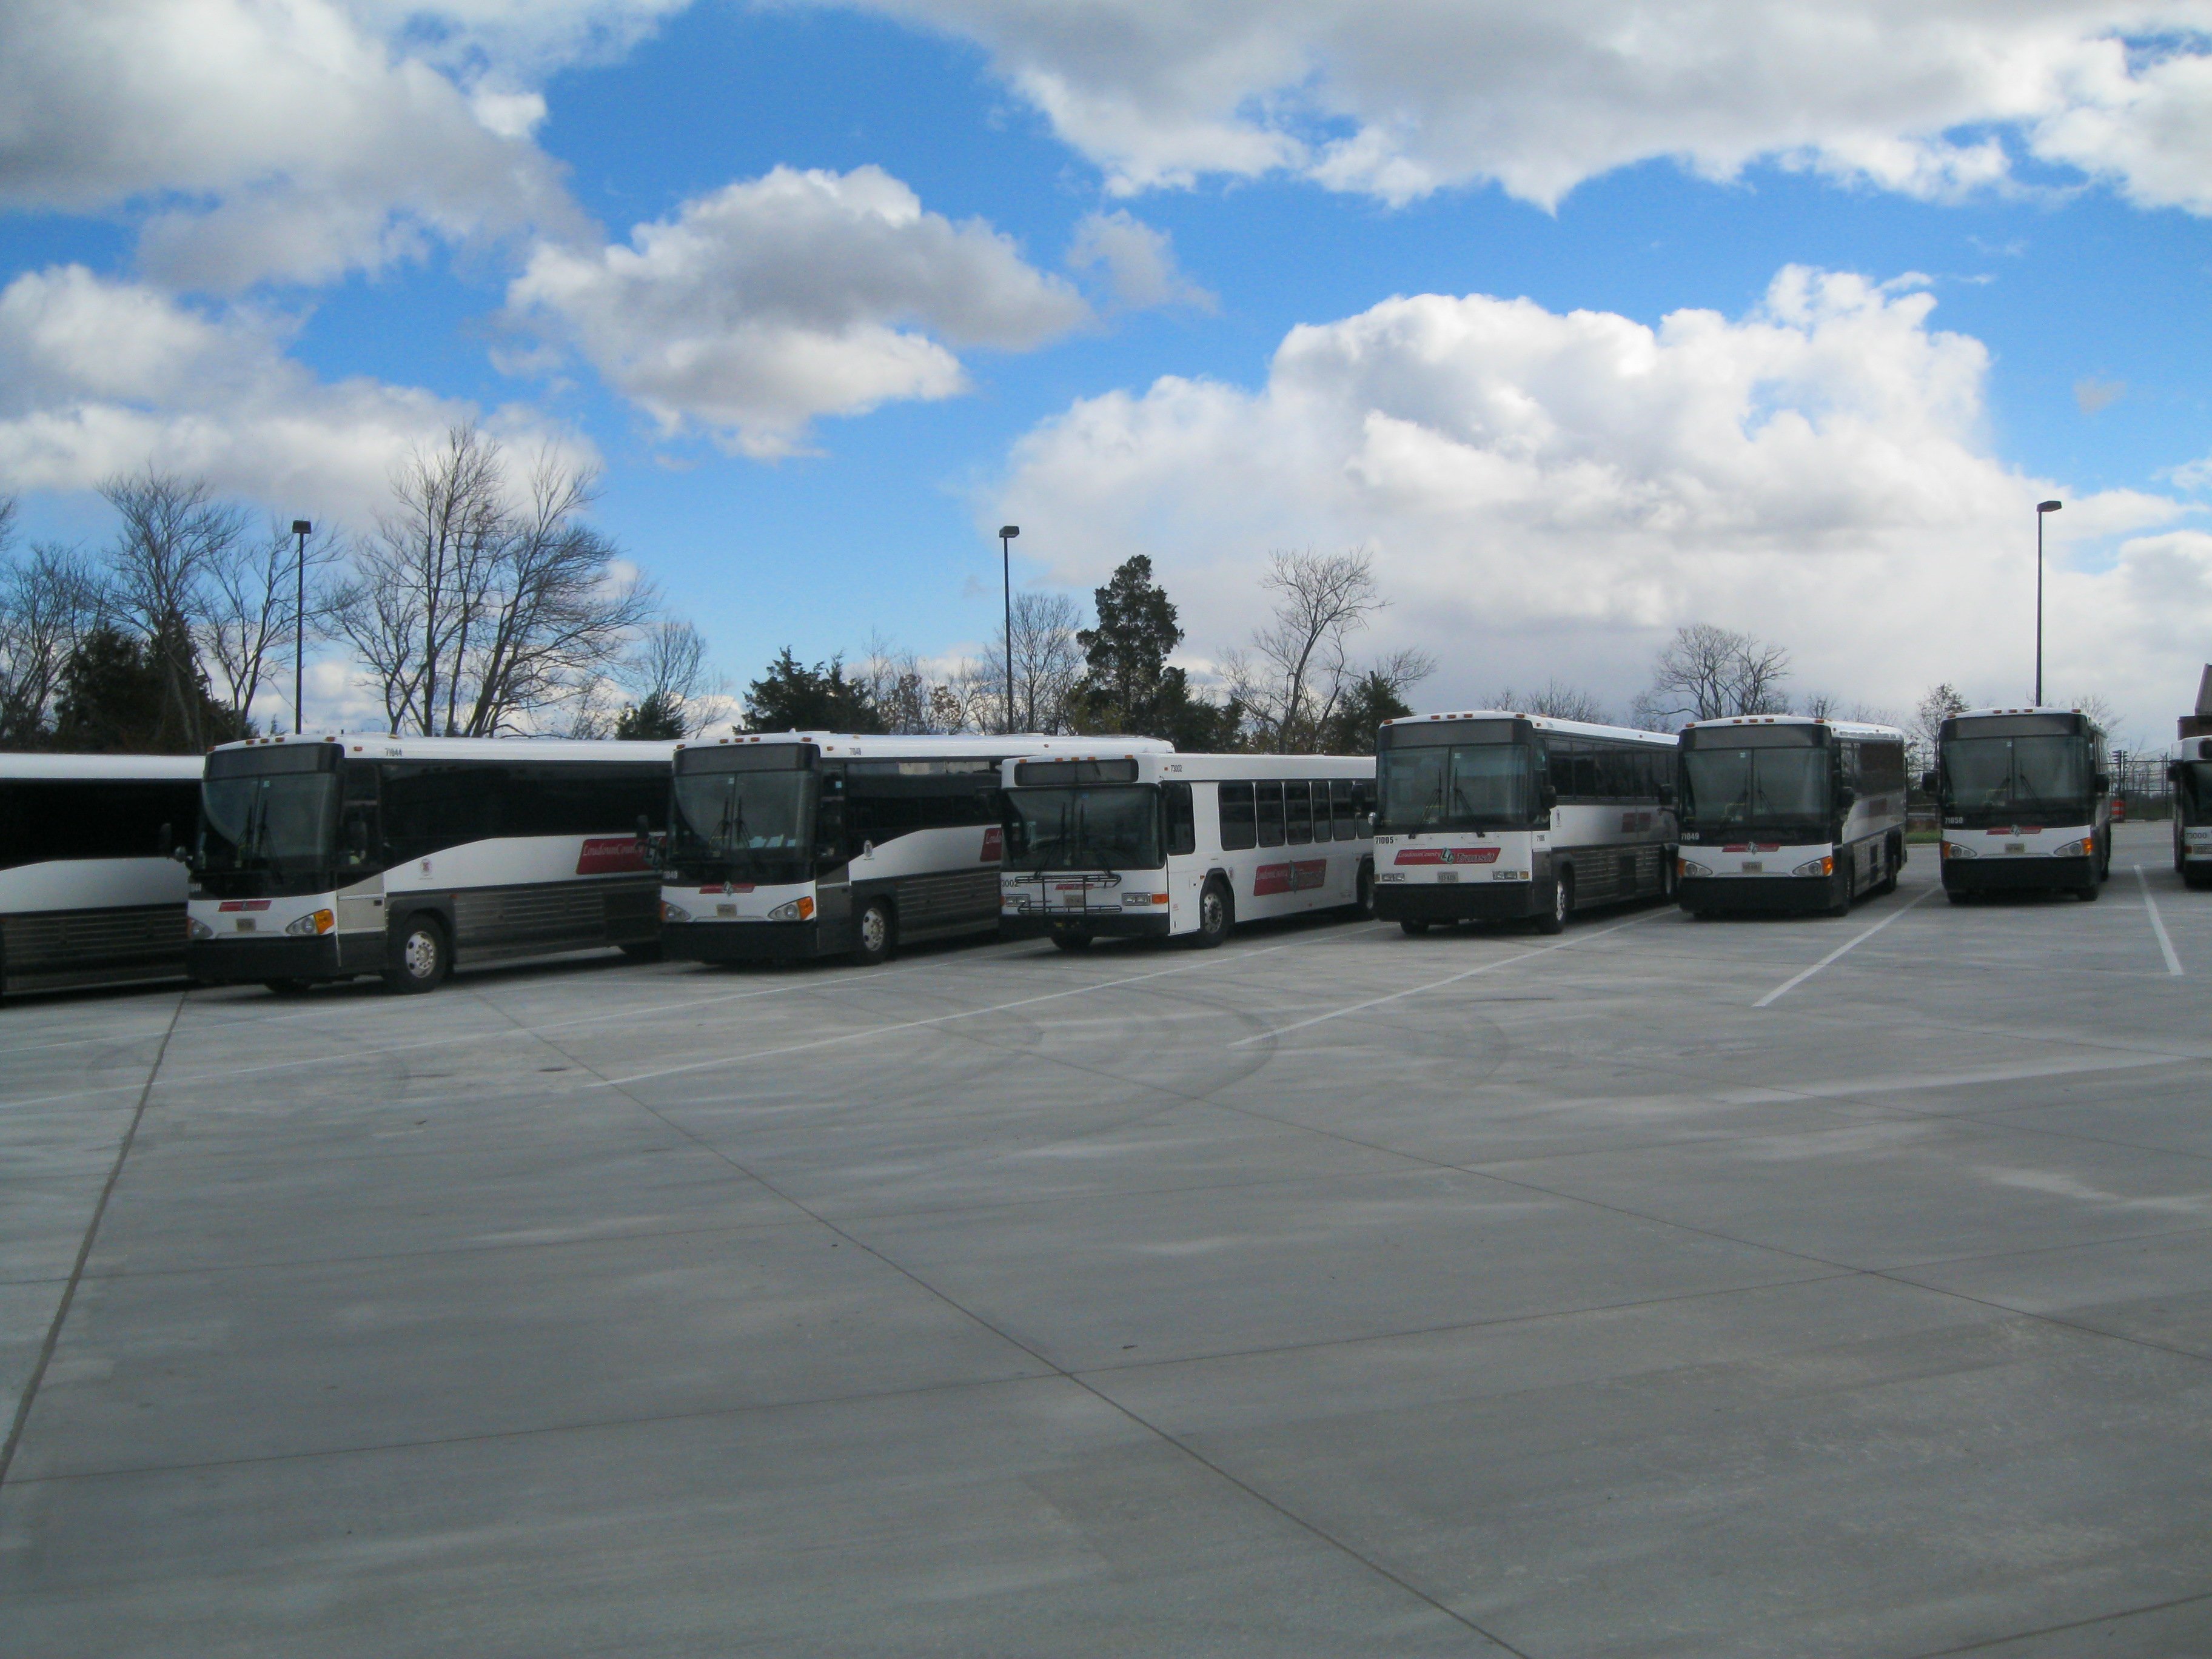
{"x":2103,"y":782}
{"x":1927,"y":783}
{"x":1846,"y":796}
{"x":1547,"y":795}
{"x":1370,"y":826}
{"x":644,"y":828}
{"x":1666,"y":794}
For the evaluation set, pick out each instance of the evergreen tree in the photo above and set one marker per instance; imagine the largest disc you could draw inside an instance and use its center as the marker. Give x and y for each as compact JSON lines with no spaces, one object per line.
{"x":1126,"y":655}
{"x":654,"y":716}
{"x":792,"y":698}
{"x":118,"y":697}
{"x":1351,"y":726}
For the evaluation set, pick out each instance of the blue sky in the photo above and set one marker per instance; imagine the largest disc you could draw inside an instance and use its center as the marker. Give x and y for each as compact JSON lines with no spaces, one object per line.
{"x":1548,"y":487}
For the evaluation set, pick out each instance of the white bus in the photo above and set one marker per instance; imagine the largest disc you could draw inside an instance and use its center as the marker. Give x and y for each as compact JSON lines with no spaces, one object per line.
{"x":326,"y":857}
{"x":2025,"y":802}
{"x":790,"y":845}
{"x":2189,"y":764}
{"x":1116,"y":844}
{"x":1785,"y":813}
{"x":1491,"y":816}
{"x":90,"y":893}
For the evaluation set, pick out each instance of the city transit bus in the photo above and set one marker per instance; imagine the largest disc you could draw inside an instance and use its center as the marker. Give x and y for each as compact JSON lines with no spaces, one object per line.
{"x":2189,"y":765}
{"x":2025,"y":803}
{"x":1115,"y":843}
{"x":90,"y":891}
{"x":1491,"y":816}
{"x":790,"y":845}
{"x":1787,"y":812}
{"x":331,"y":856}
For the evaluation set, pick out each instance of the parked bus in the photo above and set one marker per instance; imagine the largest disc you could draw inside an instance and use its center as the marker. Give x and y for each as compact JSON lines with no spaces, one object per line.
{"x":791,"y":845}
{"x":1117,"y":844}
{"x":327,"y":857}
{"x":90,"y":893}
{"x":2024,"y":802}
{"x":1785,"y":812}
{"x":1491,"y":816}
{"x":2189,"y":766}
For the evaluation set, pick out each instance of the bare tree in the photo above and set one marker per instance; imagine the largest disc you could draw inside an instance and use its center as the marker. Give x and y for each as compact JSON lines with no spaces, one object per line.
{"x":174,"y":536}
{"x":1706,"y":672}
{"x":1047,"y":660}
{"x":1937,"y":704}
{"x":1557,"y":700}
{"x":253,"y":620}
{"x":47,"y":601}
{"x":477,"y":613}
{"x":1296,"y":671}
{"x":900,"y":689}
{"x":668,"y":668}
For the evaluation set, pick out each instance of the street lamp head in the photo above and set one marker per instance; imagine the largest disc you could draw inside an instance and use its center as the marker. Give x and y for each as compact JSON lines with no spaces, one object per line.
{"x":1008,"y":531}
{"x":2049,"y":507}
{"x":302,"y":527}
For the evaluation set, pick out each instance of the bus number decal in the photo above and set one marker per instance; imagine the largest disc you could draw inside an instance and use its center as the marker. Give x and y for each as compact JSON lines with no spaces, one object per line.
{"x":1288,"y":878}
{"x":611,"y":855}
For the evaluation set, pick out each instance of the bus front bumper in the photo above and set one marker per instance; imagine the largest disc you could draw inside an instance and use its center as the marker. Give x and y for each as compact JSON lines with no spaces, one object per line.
{"x":1766,"y":896}
{"x":251,"y":960}
{"x":742,"y":941}
{"x":1434,"y":901}
{"x":2016,"y":875}
{"x":1096,"y":924}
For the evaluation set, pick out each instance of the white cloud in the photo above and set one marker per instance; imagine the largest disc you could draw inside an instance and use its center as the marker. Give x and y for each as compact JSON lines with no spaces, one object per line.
{"x":264,"y":137}
{"x":1401,"y":99}
{"x":99,"y":377}
{"x":1555,"y":494}
{"x":793,"y":295}
{"x":1140,"y":263}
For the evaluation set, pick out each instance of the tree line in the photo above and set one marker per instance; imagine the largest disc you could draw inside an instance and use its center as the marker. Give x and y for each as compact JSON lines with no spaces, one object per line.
{"x":479,"y":603}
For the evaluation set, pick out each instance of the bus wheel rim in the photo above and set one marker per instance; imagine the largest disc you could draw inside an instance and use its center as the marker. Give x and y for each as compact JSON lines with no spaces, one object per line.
{"x":872,"y":928}
{"x":422,"y":953}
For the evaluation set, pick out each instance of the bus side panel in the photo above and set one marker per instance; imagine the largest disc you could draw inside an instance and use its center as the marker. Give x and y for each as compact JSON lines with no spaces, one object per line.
{"x":1618,"y":850}
{"x":82,"y":921}
{"x":524,"y":894}
{"x":941,"y":881}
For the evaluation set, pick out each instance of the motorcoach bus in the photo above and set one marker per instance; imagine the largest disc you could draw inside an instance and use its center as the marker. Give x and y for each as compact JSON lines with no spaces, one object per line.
{"x":790,"y":845}
{"x":331,"y":856}
{"x":2024,"y":802}
{"x":1491,"y":816}
{"x":1115,"y":844}
{"x":2189,"y":766}
{"x":1788,"y":812}
{"x":90,"y":891}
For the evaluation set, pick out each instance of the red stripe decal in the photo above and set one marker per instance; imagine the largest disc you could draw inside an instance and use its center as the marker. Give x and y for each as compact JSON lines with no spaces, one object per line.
{"x":611,"y":855}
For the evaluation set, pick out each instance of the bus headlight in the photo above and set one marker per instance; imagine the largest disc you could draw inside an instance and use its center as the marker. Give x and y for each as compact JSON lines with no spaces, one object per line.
{"x":2075,"y":849}
{"x":1692,"y":868}
{"x":315,"y":921}
{"x":1825,"y":867}
{"x":1957,"y":849}
{"x":195,"y":928}
{"x":799,"y":910}
{"x":673,"y":912}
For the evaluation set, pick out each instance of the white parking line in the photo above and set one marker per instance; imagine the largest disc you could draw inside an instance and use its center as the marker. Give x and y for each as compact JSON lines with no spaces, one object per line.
{"x":1846,"y":947}
{"x":2158,"y":924}
{"x":1433,"y":985}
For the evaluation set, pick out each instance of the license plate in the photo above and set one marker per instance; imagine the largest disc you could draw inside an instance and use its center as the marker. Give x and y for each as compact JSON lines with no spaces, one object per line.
{"x":729,"y":910}
{"x":2015,"y":846}
{"x":1754,"y":866}
{"x":1447,"y":877}
{"x":246,"y":924}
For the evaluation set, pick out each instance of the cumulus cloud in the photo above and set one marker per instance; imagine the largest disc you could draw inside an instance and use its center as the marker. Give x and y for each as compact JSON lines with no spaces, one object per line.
{"x":99,"y":377}
{"x":1139,"y":263}
{"x":797,"y":295}
{"x":263,"y":137}
{"x":1550,"y":493}
{"x":1401,"y":99}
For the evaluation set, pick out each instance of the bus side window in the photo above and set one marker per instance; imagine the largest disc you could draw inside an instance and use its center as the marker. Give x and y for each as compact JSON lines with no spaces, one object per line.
{"x":1365,"y":800}
{"x":1298,"y":814}
{"x":1182,"y":826}
{"x":1323,"y":830}
{"x":1238,"y":829}
{"x":1339,"y":808}
{"x":1562,"y":764}
{"x":1270,"y":799}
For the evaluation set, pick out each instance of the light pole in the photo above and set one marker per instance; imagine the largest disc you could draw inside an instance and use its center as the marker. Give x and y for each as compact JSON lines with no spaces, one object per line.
{"x":302,"y":529}
{"x":1006,"y":534}
{"x":2041,"y":508}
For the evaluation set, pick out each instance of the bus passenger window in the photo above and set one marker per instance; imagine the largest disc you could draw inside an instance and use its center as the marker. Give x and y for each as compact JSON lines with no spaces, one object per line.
{"x":1340,"y":797}
{"x":1270,"y":799}
{"x":1183,"y":827}
{"x":1237,"y":828}
{"x":1298,"y":814}
{"x":1364,"y":800}
{"x":1322,"y":828}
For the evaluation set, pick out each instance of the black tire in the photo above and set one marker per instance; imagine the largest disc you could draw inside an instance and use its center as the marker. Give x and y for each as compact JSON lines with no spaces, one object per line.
{"x":1412,"y":929}
{"x":1071,"y":939}
{"x":1840,"y":904}
{"x":1955,"y":896}
{"x":2087,"y":891}
{"x":1217,"y":914}
{"x":422,"y":956}
{"x":1554,"y":920}
{"x":644,"y":951}
{"x":1362,"y":895}
{"x":1893,"y":859}
{"x":287,"y":987}
{"x":874,"y":932}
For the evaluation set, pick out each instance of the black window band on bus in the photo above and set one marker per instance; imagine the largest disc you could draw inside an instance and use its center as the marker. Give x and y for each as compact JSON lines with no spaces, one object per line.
{"x":1298,"y":814}
{"x":1043,"y":773}
{"x":1428,"y":734}
{"x":1239,"y":828}
{"x":1269,"y":798}
{"x":748,"y":757}
{"x":1339,"y":808}
{"x":283,"y":757}
{"x":1753,"y":737}
{"x":1183,"y":822}
{"x":2011,"y":725}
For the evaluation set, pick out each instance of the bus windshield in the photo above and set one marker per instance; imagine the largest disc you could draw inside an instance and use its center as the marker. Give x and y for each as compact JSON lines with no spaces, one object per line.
{"x":2046,"y":776}
{"x":1761,"y":788}
{"x":2192,"y":788}
{"x":1111,"y":828}
{"x":283,"y":823}
{"x":752,"y":825}
{"x":1470,"y":785}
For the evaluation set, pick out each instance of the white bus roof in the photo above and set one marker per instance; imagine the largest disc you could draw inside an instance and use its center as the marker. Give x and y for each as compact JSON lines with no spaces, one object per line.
{"x":2027,"y":708}
{"x":100,"y":769}
{"x":862,"y":746}
{"x":384,"y":746}
{"x":1848,"y":728}
{"x":2189,"y":749}
{"x":1153,"y":765}
{"x":1545,"y":723}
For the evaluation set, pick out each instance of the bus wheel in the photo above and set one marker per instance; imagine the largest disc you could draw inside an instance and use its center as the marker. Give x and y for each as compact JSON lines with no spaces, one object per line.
{"x":1071,"y":939}
{"x":286,"y":987}
{"x":1839,"y":900}
{"x":1893,"y":858}
{"x":872,"y":938}
{"x":1363,"y":894}
{"x":1554,"y":920}
{"x":2086,"y":892}
{"x":1412,"y":929}
{"x":419,"y":958}
{"x":1217,"y":914}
